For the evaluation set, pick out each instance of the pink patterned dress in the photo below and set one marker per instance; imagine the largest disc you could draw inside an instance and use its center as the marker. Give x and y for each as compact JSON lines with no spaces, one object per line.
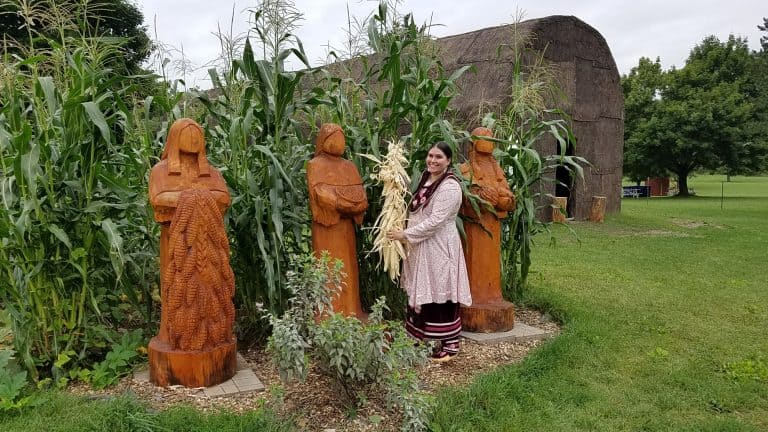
{"x":434,"y":273}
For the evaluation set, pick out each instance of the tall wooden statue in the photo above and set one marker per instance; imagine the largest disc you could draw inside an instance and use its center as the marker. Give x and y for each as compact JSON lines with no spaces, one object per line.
{"x":337,"y":200}
{"x":489,"y":311}
{"x":195,"y":346}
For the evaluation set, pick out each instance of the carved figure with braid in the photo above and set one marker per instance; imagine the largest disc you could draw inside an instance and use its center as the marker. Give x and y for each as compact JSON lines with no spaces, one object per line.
{"x":195,"y":345}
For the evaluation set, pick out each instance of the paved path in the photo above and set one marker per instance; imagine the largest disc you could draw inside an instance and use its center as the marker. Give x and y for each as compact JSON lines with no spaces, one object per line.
{"x":520,"y":333}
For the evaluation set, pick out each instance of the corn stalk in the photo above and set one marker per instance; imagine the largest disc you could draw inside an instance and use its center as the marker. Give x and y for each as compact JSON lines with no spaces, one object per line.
{"x":526,"y":122}
{"x":254,"y":132}
{"x":75,"y":230}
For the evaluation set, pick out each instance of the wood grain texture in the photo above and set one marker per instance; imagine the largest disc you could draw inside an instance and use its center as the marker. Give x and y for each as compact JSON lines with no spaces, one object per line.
{"x":489,"y":312}
{"x":337,"y":201}
{"x":195,"y":345}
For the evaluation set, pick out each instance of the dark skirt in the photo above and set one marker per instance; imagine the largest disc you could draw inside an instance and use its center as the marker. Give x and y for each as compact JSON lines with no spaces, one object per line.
{"x":437,"y":322}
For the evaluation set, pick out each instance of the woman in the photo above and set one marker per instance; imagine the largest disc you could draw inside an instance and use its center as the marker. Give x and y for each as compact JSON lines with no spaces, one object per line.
{"x":434,"y":273}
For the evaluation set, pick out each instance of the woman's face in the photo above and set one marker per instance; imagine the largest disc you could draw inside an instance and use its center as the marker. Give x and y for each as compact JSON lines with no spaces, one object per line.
{"x":437,"y":162}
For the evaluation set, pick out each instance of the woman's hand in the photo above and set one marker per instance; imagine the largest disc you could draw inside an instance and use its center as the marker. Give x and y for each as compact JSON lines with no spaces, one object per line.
{"x":396,"y":235}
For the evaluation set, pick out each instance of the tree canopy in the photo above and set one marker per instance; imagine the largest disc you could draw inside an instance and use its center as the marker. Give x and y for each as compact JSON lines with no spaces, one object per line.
{"x":704,"y":115}
{"x":27,"y":24}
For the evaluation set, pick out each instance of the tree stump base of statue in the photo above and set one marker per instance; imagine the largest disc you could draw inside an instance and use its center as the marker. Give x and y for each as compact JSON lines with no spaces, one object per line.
{"x":493,"y":317}
{"x":191,"y":368}
{"x":597,"y":212}
{"x":558,"y":209}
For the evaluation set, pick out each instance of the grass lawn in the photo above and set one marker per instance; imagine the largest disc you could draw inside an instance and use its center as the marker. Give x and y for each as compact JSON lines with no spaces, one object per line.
{"x":61,"y":412}
{"x":665,"y":311}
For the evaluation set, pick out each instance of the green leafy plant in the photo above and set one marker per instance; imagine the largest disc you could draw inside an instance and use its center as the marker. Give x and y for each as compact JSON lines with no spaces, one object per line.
{"x":118,"y":362}
{"x":751,"y":369}
{"x":12,"y":383}
{"x":78,"y":251}
{"x":359,"y":357}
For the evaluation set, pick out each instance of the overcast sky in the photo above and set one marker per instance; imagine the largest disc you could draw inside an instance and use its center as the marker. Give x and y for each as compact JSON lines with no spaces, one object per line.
{"x":667,"y":29}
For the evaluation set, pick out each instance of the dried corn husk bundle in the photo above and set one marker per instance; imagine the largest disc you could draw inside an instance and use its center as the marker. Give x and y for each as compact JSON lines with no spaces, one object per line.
{"x":393,"y":177}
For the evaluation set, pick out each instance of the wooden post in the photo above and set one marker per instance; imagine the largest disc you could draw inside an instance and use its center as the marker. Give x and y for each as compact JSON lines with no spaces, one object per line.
{"x":558,"y":209}
{"x":597,"y":212}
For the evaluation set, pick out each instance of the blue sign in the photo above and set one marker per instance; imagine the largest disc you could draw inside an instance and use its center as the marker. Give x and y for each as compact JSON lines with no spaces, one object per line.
{"x":636,"y":191}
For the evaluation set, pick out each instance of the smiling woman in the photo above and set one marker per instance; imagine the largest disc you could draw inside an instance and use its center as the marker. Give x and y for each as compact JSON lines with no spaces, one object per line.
{"x":434,"y":272}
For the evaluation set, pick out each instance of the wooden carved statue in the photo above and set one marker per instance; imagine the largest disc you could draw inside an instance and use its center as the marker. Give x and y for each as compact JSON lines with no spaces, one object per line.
{"x":489,"y":311}
{"x":337,"y":201}
{"x":195,"y":346}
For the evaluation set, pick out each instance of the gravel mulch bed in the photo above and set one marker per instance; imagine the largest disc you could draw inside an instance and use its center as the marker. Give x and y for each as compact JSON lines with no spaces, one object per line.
{"x":315,"y":404}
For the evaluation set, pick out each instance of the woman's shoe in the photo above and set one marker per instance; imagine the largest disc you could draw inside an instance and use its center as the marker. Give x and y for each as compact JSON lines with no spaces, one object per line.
{"x":442,"y":356}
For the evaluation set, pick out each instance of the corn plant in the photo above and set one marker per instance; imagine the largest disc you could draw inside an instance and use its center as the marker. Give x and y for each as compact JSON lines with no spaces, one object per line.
{"x":399,"y":88}
{"x":75,"y":229}
{"x":526,"y":122}
{"x":254,"y":132}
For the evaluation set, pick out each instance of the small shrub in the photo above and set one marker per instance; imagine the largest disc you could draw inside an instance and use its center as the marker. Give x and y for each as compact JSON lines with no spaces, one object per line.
{"x":360,"y":358}
{"x":659,"y":353}
{"x":12,"y":382}
{"x":118,"y":362}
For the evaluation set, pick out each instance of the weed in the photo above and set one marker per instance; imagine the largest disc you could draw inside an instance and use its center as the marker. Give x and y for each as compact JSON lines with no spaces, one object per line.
{"x":359,"y":357}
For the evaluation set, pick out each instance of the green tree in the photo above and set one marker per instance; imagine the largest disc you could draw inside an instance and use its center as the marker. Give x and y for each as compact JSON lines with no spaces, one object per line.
{"x":729,"y":67}
{"x":685,"y":119}
{"x":29,"y":25}
{"x":757,"y":88}
{"x":641,"y":89}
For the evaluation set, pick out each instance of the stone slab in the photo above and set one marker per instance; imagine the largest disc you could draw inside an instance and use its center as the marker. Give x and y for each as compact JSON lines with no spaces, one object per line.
{"x":519,"y":333}
{"x":141,"y":375}
{"x":243,"y":381}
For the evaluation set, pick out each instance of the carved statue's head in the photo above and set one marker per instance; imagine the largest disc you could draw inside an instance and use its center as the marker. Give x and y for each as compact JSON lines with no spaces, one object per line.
{"x":330,"y":139}
{"x":185,"y":136}
{"x":481,"y":145}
